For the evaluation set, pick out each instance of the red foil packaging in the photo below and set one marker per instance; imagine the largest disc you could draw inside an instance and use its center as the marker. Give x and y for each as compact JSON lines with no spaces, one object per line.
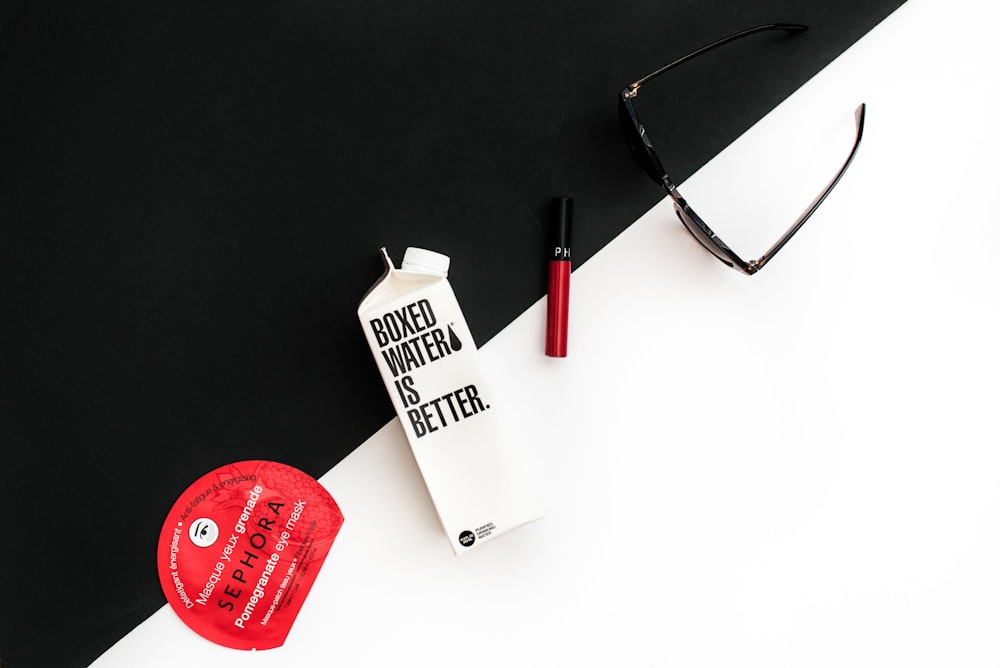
{"x":240,"y":550}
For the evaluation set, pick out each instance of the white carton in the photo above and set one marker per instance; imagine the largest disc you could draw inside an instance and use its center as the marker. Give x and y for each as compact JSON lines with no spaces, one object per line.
{"x":429,"y":363}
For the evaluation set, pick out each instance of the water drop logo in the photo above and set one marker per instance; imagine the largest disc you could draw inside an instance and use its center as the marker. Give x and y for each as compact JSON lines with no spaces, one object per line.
{"x":456,"y":343}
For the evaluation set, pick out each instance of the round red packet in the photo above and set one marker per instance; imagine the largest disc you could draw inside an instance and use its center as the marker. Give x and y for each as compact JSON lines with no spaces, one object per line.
{"x":241,"y":548}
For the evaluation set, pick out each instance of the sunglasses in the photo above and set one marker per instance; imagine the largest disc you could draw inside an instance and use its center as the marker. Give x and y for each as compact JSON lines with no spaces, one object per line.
{"x":643,"y":149}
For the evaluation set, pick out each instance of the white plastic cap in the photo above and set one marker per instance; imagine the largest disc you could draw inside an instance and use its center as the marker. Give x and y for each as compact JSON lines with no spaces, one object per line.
{"x":425,"y":261}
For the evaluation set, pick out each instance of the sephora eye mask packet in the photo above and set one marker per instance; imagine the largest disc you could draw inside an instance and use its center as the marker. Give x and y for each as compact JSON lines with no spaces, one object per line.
{"x":240,"y":550}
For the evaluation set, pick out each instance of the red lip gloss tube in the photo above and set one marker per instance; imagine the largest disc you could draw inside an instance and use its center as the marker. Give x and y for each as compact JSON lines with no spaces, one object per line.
{"x":560,"y":265}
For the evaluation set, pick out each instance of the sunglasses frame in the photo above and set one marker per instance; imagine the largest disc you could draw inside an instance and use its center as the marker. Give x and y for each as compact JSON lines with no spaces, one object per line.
{"x":643,"y":149}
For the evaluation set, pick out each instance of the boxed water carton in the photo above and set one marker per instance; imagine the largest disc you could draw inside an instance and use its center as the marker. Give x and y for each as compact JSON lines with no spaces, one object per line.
{"x":430,"y":365}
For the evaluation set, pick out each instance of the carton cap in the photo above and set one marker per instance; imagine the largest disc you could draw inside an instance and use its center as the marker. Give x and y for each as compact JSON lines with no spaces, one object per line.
{"x":425,"y":261}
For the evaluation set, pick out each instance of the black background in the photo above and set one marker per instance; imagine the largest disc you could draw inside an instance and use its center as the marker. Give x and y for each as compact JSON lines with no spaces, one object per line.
{"x":192,"y":200}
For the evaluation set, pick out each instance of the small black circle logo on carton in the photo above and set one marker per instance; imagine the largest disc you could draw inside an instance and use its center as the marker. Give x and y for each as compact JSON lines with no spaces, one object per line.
{"x":466,"y":538}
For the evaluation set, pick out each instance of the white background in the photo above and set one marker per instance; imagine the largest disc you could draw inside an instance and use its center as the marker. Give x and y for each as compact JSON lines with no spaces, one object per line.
{"x":798,"y":468}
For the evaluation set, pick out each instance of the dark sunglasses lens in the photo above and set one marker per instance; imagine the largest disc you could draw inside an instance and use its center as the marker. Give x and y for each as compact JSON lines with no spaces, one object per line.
{"x":633,"y":134}
{"x":700,"y":232}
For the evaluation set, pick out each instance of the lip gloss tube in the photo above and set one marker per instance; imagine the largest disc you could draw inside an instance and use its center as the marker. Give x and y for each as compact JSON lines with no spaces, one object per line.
{"x":560,"y":266}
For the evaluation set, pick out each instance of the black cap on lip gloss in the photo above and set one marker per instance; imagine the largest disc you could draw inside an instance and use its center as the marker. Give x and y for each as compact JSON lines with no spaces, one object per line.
{"x":561,"y":234}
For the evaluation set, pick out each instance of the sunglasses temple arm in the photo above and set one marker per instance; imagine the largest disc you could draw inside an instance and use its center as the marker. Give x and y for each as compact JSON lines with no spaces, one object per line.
{"x":859,"y":116}
{"x":790,"y":27}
